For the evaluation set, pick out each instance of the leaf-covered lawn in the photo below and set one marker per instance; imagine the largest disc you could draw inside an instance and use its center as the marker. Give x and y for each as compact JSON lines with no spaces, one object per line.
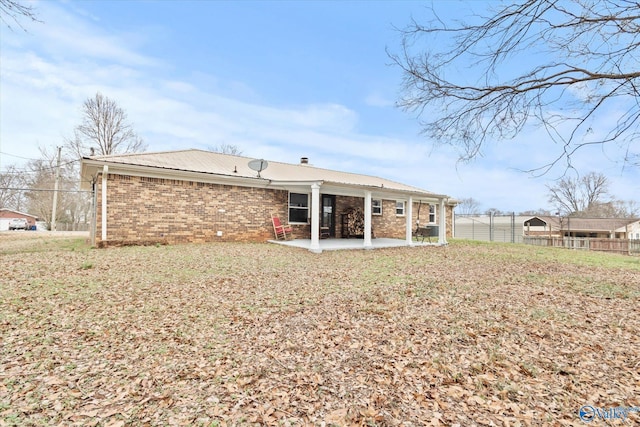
{"x":260,"y":334}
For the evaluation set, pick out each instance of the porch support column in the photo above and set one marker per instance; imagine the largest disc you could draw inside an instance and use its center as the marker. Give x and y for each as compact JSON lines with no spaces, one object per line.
{"x":367,"y":220}
{"x":94,"y":211}
{"x":105,"y":173}
{"x":442,"y":230}
{"x":409,"y":218}
{"x":315,"y":218}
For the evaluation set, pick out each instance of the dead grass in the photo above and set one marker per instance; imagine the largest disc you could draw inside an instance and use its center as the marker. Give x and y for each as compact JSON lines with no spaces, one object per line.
{"x":252,"y":334}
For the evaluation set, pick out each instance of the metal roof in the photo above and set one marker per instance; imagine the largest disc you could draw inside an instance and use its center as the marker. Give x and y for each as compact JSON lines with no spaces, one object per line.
{"x":235,"y":167}
{"x":586,"y":224}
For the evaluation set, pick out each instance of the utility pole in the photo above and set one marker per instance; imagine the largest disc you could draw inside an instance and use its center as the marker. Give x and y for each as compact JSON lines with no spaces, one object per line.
{"x":55,"y":193}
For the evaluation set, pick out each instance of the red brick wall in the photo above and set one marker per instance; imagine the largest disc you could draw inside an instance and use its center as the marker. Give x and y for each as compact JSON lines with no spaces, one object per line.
{"x":146,"y":210}
{"x":149,"y":209}
{"x":389,"y":224}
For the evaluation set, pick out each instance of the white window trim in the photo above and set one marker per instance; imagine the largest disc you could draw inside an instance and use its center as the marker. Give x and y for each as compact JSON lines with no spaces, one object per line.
{"x":404,"y":208}
{"x":289,"y":207}
{"x":434,"y":214}
{"x":373,"y":208}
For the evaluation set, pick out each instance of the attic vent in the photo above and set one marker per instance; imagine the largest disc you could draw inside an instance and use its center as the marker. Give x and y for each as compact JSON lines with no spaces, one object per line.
{"x":304,"y":160}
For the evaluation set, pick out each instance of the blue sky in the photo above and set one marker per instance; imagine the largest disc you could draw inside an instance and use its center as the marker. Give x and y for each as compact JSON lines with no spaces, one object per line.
{"x":280,"y":80}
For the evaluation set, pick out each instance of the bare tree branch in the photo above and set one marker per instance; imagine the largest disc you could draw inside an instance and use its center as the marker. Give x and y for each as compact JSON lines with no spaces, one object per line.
{"x":580,"y":196}
{"x":459,"y":78}
{"x":225,"y":148}
{"x":468,"y":206}
{"x":104,"y":130}
{"x":13,"y":10}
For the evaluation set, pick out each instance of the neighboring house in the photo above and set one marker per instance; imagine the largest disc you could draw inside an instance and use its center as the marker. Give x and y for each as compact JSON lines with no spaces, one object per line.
{"x":7,"y":215}
{"x":608,"y":228}
{"x":632,"y":230}
{"x":202,"y":196}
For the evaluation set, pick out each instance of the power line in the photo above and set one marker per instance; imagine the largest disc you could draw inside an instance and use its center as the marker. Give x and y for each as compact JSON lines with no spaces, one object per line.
{"x":25,"y":171}
{"x":43,"y":189}
{"x":18,"y":157}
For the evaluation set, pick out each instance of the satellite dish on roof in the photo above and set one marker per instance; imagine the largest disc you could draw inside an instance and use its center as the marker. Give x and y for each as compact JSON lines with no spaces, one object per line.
{"x":258,"y":165}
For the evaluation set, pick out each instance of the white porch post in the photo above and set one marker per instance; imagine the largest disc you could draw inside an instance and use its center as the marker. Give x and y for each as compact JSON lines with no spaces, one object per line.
{"x":367,"y":220}
{"x":315,"y":218}
{"x":409,"y":224}
{"x":442,"y":230}
{"x":105,"y":173}
{"x":94,"y":210}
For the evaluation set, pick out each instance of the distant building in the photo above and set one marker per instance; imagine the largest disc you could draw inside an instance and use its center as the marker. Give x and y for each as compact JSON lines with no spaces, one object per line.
{"x":7,"y":215}
{"x":513,"y":228}
{"x":607,"y":228}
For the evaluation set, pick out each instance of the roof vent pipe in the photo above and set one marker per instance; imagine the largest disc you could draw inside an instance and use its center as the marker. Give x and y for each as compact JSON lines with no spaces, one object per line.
{"x":304,"y":160}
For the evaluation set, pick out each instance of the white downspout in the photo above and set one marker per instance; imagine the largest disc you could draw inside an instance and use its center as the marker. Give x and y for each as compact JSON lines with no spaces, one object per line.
{"x":409,"y":222}
{"x":105,"y":173}
{"x":367,"y":220}
{"x":442,"y":230}
{"x":315,"y":218}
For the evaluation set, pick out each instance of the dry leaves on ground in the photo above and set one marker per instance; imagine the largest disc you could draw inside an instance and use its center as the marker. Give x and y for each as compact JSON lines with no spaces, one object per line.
{"x":251,"y":334}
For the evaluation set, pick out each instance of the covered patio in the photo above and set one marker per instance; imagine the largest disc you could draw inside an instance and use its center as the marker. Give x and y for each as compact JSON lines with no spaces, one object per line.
{"x":343,"y":244}
{"x":314,"y":213}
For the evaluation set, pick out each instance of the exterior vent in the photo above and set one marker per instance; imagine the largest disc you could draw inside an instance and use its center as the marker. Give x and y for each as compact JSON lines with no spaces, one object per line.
{"x":304,"y":160}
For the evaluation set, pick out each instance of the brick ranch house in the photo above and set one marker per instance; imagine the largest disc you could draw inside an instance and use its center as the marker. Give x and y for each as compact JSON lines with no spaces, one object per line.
{"x":7,"y":215}
{"x":201,"y":196}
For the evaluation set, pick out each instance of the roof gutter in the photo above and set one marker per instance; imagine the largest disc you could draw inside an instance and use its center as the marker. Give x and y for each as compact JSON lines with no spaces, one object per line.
{"x":91,"y":167}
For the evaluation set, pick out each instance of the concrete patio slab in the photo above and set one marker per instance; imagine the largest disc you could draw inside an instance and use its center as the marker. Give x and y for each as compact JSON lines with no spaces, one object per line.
{"x":345,"y":244}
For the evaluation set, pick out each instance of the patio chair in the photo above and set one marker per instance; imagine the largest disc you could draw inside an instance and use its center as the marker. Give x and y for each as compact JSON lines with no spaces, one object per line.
{"x":281,"y":231}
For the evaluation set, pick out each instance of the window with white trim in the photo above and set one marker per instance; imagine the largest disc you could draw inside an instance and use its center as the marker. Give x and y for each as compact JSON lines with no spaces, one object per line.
{"x":376,"y":206}
{"x":432,"y":214}
{"x":298,"y":208}
{"x":399,"y":207}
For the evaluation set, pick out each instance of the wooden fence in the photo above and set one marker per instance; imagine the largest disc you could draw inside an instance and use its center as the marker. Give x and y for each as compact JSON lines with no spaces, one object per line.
{"x":620,"y":246}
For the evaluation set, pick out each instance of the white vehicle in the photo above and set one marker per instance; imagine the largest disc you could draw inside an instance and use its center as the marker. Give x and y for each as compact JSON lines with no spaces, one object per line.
{"x":18,"y":224}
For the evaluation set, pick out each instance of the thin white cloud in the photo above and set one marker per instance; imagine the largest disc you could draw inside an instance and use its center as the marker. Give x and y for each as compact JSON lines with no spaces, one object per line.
{"x":378,"y":100}
{"x":46,"y":78}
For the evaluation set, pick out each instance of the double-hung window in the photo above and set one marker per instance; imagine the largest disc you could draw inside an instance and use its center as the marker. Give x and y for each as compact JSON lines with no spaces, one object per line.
{"x":376,"y":207}
{"x":432,"y":214}
{"x":298,"y":208}
{"x":400,"y":208}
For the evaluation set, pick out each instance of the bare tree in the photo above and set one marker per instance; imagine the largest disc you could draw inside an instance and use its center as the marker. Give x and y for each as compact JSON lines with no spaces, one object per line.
{"x":13,"y":10}
{"x":494,"y":211}
{"x":12,"y":180}
{"x":555,"y":64}
{"x":226,"y":149}
{"x":104,"y":130}
{"x":534,"y":212}
{"x":468,"y":206}
{"x":73,"y":205}
{"x":579,"y":196}
{"x":612,"y":209}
